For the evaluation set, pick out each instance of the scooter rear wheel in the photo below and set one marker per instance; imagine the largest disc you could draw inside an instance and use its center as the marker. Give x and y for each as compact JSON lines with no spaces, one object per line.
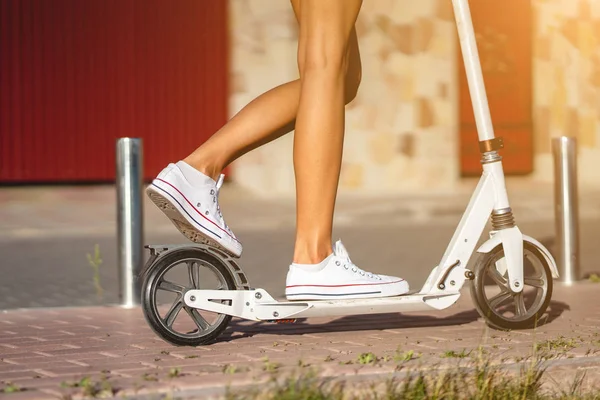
{"x":192,"y":327}
{"x":497,"y":304}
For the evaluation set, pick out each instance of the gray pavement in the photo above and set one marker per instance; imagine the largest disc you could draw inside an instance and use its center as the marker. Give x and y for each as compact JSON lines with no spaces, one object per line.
{"x":46,"y":232}
{"x":53,"y":272}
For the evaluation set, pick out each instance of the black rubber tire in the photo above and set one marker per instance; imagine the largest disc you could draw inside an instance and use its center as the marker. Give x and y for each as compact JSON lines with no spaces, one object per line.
{"x":150,"y":311}
{"x":478,"y":285}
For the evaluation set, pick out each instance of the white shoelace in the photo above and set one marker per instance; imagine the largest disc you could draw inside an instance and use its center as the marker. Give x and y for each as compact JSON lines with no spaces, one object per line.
{"x":215,"y":194}
{"x":340,"y":251}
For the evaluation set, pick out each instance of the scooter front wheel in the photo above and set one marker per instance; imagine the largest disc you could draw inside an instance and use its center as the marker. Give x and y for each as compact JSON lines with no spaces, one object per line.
{"x":164,"y":288}
{"x":497,"y":303}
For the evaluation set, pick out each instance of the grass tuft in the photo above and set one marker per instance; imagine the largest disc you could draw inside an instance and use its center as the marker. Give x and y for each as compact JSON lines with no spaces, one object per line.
{"x":480,"y":380}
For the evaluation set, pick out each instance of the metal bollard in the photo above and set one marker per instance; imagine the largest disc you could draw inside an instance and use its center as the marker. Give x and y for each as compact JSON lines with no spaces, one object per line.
{"x":130,"y":214}
{"x":566,"y":209}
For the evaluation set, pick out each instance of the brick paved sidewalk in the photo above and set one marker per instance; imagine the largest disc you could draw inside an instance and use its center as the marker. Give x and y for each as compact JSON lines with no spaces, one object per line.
{"x":48,"y":351}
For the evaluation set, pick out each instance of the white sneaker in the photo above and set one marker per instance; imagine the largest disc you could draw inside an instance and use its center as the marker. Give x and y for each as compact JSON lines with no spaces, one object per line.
{"x":193,"y":210}
{"x":338,"y":278}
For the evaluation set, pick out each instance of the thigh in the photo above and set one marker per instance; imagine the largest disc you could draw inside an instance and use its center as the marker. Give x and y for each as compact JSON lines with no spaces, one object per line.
{"x":296,"y":7}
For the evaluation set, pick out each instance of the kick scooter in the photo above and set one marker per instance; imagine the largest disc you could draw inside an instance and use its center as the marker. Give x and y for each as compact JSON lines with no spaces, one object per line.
{"x":510,"y":260}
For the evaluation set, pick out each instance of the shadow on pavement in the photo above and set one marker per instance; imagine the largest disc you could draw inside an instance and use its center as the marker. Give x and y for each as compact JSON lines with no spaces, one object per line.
{"x":349,"y":324}
{"x":357,"y":323}
{"x":555,"y":310}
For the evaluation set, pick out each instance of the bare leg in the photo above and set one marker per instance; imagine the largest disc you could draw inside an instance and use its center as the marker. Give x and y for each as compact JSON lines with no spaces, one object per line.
{"x":267,"y":118}
{"x":326,"y":27}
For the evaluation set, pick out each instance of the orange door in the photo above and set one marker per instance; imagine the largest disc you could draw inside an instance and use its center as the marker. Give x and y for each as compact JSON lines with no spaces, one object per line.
{"x":504,"y":34}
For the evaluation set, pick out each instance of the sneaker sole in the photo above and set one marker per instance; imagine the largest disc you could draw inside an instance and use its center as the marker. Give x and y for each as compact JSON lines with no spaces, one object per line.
{"x":176,"y":216}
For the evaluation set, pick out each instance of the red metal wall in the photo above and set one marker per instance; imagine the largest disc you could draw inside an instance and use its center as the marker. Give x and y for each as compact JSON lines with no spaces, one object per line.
{"x":76,"y":75}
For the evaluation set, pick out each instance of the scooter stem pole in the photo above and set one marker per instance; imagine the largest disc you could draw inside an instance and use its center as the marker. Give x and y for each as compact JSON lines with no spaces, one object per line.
{"x":470,"y":56}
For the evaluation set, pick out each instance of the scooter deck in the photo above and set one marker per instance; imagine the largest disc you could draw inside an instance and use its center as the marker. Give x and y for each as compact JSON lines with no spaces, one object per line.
{"x":258,"y":305}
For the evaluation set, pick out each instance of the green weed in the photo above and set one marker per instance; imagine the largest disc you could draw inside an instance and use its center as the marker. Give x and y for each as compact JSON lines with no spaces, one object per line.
{"x":561,"y":345}
{"x":95,"y":262}
{"x":91,"y":388}
{"x":270,"y":366}
{"x":454,"y":354}
{"x":403,"y":356}
{"x":367,"y":358}
{"x":10,"y":387}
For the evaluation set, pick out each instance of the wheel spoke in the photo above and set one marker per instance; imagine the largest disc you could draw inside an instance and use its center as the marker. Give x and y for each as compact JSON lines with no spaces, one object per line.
{"x":495,"y":275}
{"x":200,"y":322}
{"x":528,"y":257}
{"x":535,"y":282}
{"x":173,"y":312}
{"x":194,"y":274}
{"x":171,"y":287}
{"x":499,"y":298}
{"x":520,"y":308}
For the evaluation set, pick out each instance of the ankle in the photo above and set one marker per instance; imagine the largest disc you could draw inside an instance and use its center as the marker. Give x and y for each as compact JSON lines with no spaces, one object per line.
{"x":305,"y":254}
{"x":209,"y":169}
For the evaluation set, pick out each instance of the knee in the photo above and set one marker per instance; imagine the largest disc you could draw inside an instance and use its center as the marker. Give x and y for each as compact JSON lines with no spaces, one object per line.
{"x":332,"y":64}
{"x":322,"y":60}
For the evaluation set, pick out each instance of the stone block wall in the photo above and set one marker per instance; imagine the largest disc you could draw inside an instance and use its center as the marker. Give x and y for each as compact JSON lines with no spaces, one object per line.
{"x":401,"y":130}
{"x":567,"y":83}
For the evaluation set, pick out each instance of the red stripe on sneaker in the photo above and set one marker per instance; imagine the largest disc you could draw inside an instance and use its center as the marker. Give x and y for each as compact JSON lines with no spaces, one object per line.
{"x":198,"y":212}
{"x":353,"y":284}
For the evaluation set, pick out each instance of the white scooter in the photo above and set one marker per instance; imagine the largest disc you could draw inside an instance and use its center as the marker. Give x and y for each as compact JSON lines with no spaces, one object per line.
{"x":509,"y":260}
